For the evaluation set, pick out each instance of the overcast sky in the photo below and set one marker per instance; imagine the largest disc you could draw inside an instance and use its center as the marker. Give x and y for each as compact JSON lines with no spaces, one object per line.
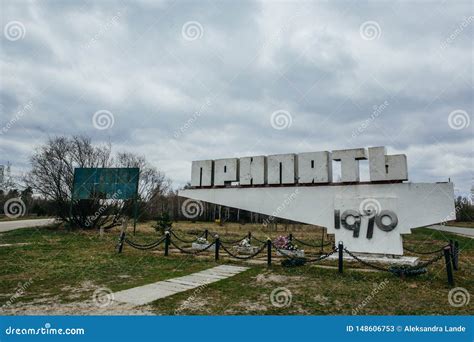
{"x":180,"y":81}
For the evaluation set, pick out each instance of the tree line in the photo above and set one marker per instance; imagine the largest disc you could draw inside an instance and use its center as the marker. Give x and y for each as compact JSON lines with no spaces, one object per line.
{"x":48,"y":187}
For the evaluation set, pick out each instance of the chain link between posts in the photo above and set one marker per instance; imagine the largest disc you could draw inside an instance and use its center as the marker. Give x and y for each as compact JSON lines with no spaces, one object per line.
{"x":397,"y":270}
{"x":310,"y":245}
{"x":260,"y":250}
{"x":183,"y":240}
{"x":425,"y":253}
{"x":192,"y":252}
{"x":144,"y":247}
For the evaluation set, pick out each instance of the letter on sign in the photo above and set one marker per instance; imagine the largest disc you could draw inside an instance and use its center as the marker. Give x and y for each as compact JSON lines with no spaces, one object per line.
{"x":201,"y":173}
{"x":281,"y":169}
{"x":314,"y":167}
{"x":349,"y":163}
{"x":252,"y":170}
{"x":383,"y":167}
{"x":225,"y":171}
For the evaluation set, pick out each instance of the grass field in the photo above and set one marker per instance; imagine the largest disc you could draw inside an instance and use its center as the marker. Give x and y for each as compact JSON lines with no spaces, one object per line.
{"x":461,"y":224}
{"x":53,"y":271}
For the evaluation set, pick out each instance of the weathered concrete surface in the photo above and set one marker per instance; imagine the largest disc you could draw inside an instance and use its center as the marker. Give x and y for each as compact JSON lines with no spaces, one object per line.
{"x":225,"y":170}
{"x":469,"y":232}
{"x":415,"y":205}
{"x":17,"y":224}
{"x":148,"y":293}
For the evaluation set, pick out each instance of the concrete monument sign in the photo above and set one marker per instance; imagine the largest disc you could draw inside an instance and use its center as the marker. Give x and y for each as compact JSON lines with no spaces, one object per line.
{"x":368,"y":217}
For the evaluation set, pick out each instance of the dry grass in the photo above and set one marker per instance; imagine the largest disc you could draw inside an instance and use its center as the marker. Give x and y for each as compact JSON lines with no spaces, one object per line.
{"x":62,"y":263}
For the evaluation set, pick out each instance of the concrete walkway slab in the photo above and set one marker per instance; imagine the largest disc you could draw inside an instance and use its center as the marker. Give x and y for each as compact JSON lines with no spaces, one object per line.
{"x":6,"y":226}
{"x":210,"y":276}
{"x":148,"y":293}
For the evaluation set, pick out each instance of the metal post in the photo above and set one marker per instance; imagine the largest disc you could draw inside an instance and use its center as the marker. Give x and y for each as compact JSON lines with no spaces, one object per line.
{"x":456,"y":256}
{"x":451,"y":247}
{"x":290,"y":237}
{"x":449,"y":270}
{"x":206,"y":232}
{"x":249,"y":237}
{"x":269,"y":252}
{"x":135,"y":216}
{"x":167,"y":242}
{"x":121,"y":240}
{"x":341,"y":258}
{"x":322,"y":240}
{"x":218,"y":243}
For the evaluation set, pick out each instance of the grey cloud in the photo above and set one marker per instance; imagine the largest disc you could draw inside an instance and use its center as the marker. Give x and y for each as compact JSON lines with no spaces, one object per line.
{"x":177,"y":100}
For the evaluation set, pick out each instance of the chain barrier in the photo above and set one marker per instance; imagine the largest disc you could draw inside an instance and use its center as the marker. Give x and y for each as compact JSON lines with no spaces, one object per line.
{"x":183,"y":240}
{"x":402,"y":270}
{"x":310,"y":245}
{"x":244,"y":257}
{"x":283,"y":252}
{"x":430,"y":262}
{"x":323,"y":256}
{"x":144,"y":247}
{"x":366,"y":262}
{"x":426,"y":253}
{"x":399,"y":270}
{"x":414,"y":270}
{"x":191,"y":252}
{"x":233,"y":242}
{"x":258,"y":240}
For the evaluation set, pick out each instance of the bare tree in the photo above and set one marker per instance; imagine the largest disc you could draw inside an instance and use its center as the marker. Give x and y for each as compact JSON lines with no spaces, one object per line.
{"x":52,"y":176}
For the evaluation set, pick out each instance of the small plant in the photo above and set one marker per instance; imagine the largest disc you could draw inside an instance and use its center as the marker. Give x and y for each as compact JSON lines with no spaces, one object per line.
{"x":283,"y":242}
{"x":163,"y":223}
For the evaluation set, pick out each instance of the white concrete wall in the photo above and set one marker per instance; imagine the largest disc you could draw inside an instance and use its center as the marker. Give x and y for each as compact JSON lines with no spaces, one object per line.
{"x":225,"y":170}
{"x":252,"y":170}
{"x":304,"y":168}
{"x":383,"y":167}
{"x":204,"y":166}
{"x":288,"y":169}
{"x":415,"y":204}
{"x":349,"y":163}
{"x":314,"y":167}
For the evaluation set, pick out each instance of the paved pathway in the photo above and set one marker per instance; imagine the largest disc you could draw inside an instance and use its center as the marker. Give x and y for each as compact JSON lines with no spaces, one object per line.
{"x":148,"y":293}
{"x":6,"y":226}
{"x":469,"y":232}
